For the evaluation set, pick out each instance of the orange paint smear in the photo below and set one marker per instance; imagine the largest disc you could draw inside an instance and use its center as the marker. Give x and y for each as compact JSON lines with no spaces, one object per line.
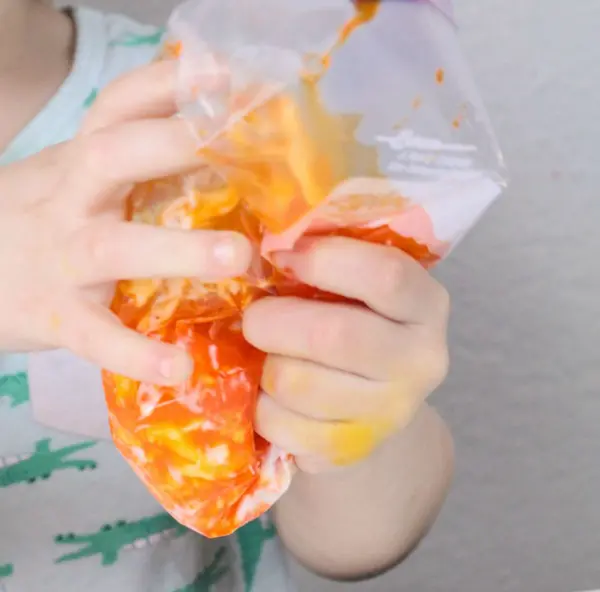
{"x":172,"y":50}
{"x":366,"y":11}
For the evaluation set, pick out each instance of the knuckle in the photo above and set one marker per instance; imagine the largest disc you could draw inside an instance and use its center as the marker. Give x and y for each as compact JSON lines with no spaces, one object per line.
{"x":442,"y":368}
{"x":435,"y":364}
{"x":273,"y":379}
{"x":443,"y":302}
{"x":90,"y":153}
{"x":404,"y":410}
{"x":265,"y":419}
{"x":393,"y":276}
{"x":95,"y":248}
{"x":283,"y":379}
{"x":293,"y":382}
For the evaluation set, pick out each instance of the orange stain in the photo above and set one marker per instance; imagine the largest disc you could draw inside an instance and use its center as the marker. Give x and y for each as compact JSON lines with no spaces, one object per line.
{"x":440,"y":76}
{"x":55,"y":321}
{"x":400,"y":124}
{"x":353,"y":442}
{"x":458,"y":121}
{"x":173,"y":49}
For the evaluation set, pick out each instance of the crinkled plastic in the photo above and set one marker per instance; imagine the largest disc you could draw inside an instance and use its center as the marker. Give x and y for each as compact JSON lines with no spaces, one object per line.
{"x":319,"y":117}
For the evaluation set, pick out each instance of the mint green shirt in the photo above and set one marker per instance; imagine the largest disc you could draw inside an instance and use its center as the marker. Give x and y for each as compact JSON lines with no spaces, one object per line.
{"x":73,"y":517}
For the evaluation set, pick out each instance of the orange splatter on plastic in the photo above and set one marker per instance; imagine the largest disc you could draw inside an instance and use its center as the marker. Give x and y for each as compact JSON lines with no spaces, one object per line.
{"x":460,"y":118}
{"x":172,"y":50}
{"x":194,"y":446}
{"x":440,"y":76}
{"x":365,"y":12}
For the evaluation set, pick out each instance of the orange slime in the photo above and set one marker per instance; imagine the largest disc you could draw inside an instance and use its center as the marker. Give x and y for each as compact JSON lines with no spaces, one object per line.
{"x":194,"y":446}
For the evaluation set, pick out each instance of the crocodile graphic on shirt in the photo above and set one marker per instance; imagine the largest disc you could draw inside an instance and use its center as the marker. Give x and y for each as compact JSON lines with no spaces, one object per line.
{"x":90,"y":99}
{"x":15,"y":388}
{"x":43,"y":463}
{"x":136,"y":40}
{"x":6,"y":570}
{"x":251,"y":539}
{"x":210,"y":576}
{"x":110,"y":540}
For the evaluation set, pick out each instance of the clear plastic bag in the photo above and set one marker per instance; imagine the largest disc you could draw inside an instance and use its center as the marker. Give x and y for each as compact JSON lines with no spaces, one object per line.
{"x":320,"y":117}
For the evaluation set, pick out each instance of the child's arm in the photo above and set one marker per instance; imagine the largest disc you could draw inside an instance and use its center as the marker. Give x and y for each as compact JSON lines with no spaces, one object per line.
{"x":366,"y":519}
{"x":344,"y":391}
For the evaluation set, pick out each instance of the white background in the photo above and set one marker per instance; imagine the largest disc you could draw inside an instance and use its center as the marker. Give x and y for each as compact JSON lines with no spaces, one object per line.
{"x":524,"y":396}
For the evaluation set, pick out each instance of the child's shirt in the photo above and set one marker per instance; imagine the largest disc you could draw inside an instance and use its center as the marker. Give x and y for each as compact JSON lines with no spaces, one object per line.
{"x":73,"y":516}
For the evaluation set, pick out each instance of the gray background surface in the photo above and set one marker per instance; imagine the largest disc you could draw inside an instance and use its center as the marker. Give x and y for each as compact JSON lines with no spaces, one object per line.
{"x":523,"y":400}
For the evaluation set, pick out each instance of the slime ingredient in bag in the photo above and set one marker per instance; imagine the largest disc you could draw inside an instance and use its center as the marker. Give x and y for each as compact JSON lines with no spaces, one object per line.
{"x":319,"y":117}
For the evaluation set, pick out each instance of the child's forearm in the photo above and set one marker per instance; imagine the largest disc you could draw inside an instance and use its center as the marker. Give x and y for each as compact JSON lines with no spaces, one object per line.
{"x":364,"y":520}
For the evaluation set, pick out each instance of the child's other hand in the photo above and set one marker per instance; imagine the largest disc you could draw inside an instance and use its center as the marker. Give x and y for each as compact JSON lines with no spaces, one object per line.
{"x":340,"y":379}
{"x":63,"y":240}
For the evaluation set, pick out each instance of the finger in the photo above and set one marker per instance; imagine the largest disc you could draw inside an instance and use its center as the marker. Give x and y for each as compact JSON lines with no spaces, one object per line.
{"x":341,"y":443}
{"x":145,"y":93}
{"x":126,"y":250}
{"x":324,"y":394}
{"x":133,"y":152}
{"x":387,"y":280}
{"x":338,"y":336}
{"x":93,"y":333}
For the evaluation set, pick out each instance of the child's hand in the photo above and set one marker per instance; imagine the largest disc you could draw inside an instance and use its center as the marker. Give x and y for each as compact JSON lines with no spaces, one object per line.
{"x":340,"y":379}
{"x":63,"y":241}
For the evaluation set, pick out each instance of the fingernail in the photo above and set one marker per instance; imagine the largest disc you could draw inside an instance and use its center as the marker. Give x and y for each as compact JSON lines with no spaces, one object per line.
{"x":306,"y":243}
{"x":284,"y":261}
{"x":176,"y":368}
{"x":231,"y":251}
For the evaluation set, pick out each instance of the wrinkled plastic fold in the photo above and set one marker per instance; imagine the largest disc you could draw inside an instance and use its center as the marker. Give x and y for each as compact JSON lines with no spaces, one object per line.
{"x":312,"y":118}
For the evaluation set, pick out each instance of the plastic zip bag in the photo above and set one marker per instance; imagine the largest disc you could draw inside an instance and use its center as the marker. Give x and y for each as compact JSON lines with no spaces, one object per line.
{"x":320,"y":117}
